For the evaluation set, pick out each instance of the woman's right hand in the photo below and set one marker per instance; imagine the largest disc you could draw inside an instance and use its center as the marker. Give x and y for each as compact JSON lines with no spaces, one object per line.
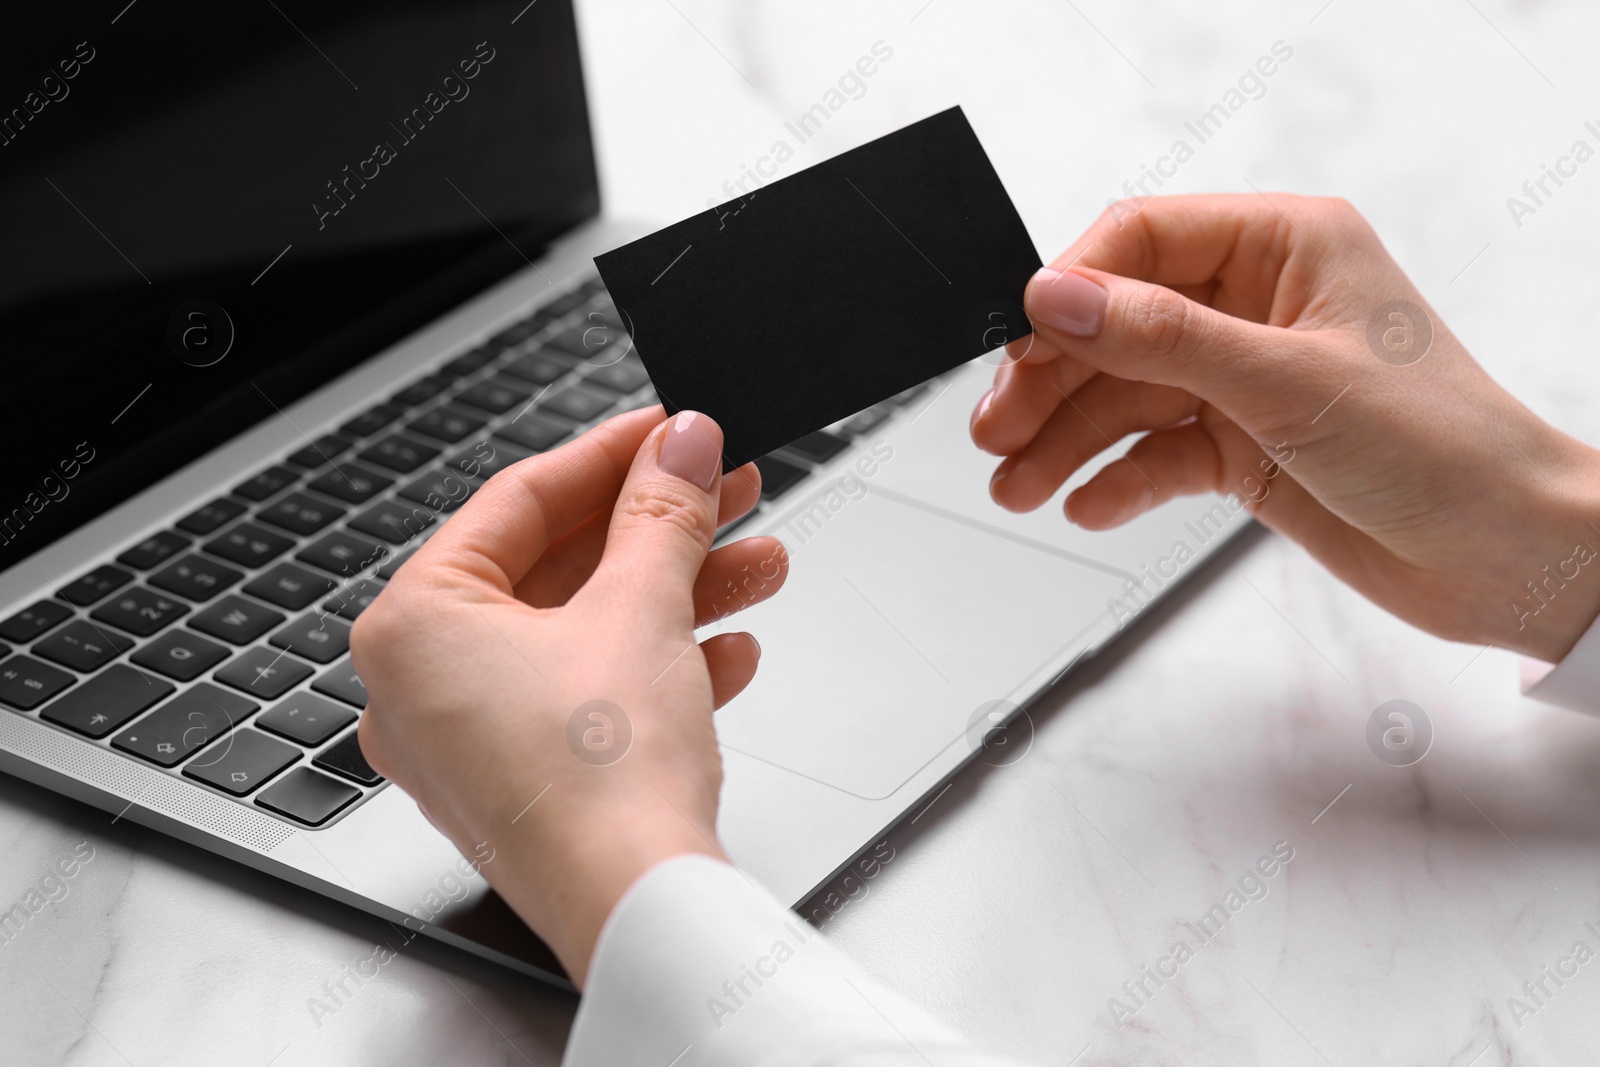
{"x":1269,"y":347}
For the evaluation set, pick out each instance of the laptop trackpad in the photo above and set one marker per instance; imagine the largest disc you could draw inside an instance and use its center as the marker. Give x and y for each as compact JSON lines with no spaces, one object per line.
{"x":896,"y":625}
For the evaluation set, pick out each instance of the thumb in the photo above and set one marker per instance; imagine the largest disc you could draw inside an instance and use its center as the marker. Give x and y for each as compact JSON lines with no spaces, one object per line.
{"x":1145,"y":332}
{"x":665,"y":518}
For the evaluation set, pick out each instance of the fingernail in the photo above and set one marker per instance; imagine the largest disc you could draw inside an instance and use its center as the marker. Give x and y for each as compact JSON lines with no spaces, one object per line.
{"x":755,"y":643}
{"x":1067,"y":302}
{"x":977,"y":412}
{"x":1000,"y":475}
{"x":692,"y":449}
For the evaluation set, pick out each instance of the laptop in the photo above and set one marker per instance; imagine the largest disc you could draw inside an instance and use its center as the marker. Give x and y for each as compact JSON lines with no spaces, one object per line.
{"x":282,"y":287}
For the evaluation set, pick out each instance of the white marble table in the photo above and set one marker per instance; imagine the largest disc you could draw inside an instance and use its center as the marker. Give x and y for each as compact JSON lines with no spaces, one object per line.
{"x":1415,"y":905}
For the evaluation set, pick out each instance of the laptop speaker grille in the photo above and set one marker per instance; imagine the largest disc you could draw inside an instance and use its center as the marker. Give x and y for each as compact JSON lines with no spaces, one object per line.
{"x":143,"y":785}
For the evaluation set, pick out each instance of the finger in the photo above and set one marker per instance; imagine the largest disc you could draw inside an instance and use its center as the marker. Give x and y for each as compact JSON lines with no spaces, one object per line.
{"x":1092,"y":420}
{"x":663,"y":521}
{"x":737,"y":576}
{"x":501,"y":532}
{"x":1160,"y":466}
{"x":570,"y":560}
{"x":1136,"y":330}
{"x":731,"y":660}
{"x":1024,"y":396}
{"x":1242,"y":241}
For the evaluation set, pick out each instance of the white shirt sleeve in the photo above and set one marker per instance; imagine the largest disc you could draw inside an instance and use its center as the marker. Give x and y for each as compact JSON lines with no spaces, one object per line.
{"x":699,"y":967}
{"x":1574,"y":683}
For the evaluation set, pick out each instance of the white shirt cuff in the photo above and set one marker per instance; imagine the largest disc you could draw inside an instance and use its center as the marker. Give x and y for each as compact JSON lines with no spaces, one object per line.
{"x":1573,"y":683}
{"x":699,"y":967}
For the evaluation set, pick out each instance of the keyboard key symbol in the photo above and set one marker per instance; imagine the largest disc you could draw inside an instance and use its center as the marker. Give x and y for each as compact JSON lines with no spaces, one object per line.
{"x":165,"y":747}
{"x":239,"y":776}
{"x":235,"y":618}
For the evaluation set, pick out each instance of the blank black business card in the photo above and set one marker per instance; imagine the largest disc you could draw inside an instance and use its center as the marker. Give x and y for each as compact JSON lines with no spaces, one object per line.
{"x":829,"y":290}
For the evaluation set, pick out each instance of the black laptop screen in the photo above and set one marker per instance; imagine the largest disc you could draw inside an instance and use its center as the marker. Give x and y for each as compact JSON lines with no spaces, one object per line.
{"x":313,"y":179}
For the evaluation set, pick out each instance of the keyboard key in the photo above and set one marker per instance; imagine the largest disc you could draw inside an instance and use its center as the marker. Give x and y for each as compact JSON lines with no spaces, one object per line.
{"x":864,"y":422}
{"x":421,"y":391}
{"x":266,"y":483}
{"x":319,"y":638}
{"x":209,"y":518}
{"x":625,"y":376}
{"x":180,"y":654}
{"x":577,"y":403}
{"x":485,"y":459}
{"x":139,"y":611}
{"x":342,"y":682}
{"x":154,"y":550}
{"x":448,"y":424}
{"x":778,"y":476}
{"x":494,"y":395}
{"x":468,"y":362}
{"x":83,"y":646}
{"x":542,"y":367}
{"x":308,"y":797}
{"x":642,"y":400}
{"x":818,"y":447}
{"x":386,"y":571}
{"x":519,"y":331}
{"x":248,"y":761}
{"x":393,"y":521}
{"x":195,"y":578}
{"x":400,"y":454}
{"x":236,"y":620}
{"x":321,"y":452}
{"x":910,"y":396}
{"x":302,"y":514}
{"x":5,"y":650}
{"x":26,"y":683}
{"x":106,"y":701}
{"x":344,"y":758}
{"x":441,"y":491}
{"x":597,"y":340}
{"x":534,"y":431}
{"x":264,"y":673}
{"x":249,"y":544}
{"x":343,"y":553}
{"x":185,"y":724}
{"x":32,"y":621}
{"x":98,"y":583}
{"x":289,"y":586}
{"x":372,"y":420}
{"x":307,"y":718}
{"x":351,"y":483}
{"x":601,"y":309}
{"x":353,"y":599}
{"x":565,"y":303}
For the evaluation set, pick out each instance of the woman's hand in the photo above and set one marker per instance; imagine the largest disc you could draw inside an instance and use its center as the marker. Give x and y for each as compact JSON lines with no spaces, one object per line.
{"x":534,"y":678}
{"x":1270,"y":348}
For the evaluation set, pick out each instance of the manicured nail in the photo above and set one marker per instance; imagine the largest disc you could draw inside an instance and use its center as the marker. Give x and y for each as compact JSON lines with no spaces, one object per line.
{"x":1067,"y":302}
{"x":977,"y":412}
{"x":1001,"y":474}
{"x":692,"y":449}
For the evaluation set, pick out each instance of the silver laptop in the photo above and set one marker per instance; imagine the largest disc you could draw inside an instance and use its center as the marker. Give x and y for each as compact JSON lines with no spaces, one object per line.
{"x":278,"y":297}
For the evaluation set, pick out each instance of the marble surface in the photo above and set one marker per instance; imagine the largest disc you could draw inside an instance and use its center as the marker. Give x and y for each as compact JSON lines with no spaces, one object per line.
{"x":1418,"y":900}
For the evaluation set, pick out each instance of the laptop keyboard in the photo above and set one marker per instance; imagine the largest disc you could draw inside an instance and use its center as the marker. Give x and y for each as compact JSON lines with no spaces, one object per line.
{"x":219,"y":649}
